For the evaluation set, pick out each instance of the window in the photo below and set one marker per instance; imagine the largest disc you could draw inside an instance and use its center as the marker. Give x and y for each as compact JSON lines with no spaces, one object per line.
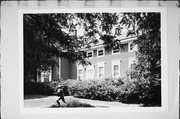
{"x":100,"y":70}
{"x":116,"y":68}
{"x":44,"y":76}
{"x":101,"y":74}
{"x":124,"y":47}
{"x":80,"y":72}
{"x":115,"y":50}
{"x":90,"y":72}
{"x":100,"y":52}
{"x":89,"y":54}
{"x":116,"y":71}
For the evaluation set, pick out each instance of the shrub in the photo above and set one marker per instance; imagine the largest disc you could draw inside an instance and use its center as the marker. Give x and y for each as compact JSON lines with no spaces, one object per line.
{"x":38,"y":88}
{"x":147,"y":86}
{"x":95,"y":89}
{"x":43,"y":88}
{"x":125,"y":90}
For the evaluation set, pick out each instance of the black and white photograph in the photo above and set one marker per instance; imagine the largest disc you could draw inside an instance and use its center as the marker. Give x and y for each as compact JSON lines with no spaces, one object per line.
{"x":92,"y":59}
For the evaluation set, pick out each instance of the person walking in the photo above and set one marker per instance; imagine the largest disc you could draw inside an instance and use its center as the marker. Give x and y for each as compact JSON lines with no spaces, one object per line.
{"x":60,"y":94}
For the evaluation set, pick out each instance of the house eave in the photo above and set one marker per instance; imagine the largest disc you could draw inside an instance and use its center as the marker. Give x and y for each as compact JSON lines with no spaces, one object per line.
{"x":123,"y":41}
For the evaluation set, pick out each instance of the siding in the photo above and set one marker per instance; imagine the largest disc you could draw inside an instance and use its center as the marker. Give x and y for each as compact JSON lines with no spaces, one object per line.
{"x":65,"y":69}
{"x":108,"y":58}
{"x":73,"y":72}
{"x":55,"y":69}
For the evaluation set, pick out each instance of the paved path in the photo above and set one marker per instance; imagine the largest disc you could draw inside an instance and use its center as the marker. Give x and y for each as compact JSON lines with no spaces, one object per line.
{"x":50,"y":100}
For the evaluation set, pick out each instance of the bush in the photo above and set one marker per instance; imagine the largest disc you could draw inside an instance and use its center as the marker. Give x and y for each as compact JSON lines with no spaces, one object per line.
{"x":107,"y":90}
{"x":147,"y":86}
{"x":125,"y":90}
{"x":94,"y":89}
{"x":39,"y":88}
{"x":43,"y":88}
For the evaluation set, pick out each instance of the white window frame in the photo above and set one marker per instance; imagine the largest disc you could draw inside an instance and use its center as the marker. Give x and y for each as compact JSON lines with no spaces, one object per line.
{"x":116,"y":52}
{"x":116,"y":62}
{"x":89,"y":68}
{"x":98,"y":52}
{"x":101,"y":64}
{"x":130,"y":61}
{"x":80,"y":67}
{"x":89,"y":52}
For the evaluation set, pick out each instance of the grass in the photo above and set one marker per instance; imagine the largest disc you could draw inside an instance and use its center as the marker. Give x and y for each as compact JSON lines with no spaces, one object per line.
{"x":71,"y":103}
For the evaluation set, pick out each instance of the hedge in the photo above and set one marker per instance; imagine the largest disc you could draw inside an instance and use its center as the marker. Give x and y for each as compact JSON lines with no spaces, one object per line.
{"x":147,"y":91}
{"x":42,"y":88}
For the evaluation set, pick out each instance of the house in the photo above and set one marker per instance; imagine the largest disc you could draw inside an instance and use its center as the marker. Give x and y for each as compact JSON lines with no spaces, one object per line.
{"x":114,"y":63}
{"x":105,"y":64}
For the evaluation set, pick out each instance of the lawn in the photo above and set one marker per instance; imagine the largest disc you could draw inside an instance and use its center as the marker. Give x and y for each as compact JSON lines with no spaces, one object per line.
{"x":41,"y":101}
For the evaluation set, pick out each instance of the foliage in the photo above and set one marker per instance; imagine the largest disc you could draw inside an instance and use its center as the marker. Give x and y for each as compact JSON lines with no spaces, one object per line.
{"x":146,"y":26}
{"x":50,"y":35}
{"x":147,"y":69}
{"x":38,"y":88}
{"x":55,"y":35}
{"x":125,"y":90}
{"x":47,"y":36}
{"x":44,"y":39}
{"x":43,"y":88}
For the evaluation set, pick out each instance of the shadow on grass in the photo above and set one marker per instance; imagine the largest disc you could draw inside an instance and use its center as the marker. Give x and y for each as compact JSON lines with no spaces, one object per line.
{"x":71,"y":103}
{"x":35,"y":96}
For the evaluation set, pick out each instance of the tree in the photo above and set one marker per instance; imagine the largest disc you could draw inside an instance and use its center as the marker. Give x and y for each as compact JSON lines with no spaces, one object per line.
{"x":147,"y":70}
{"x":146,"y":26}
{"x":143,"y":25}
{"x":54,"y":35}
{"x":45,"y":39}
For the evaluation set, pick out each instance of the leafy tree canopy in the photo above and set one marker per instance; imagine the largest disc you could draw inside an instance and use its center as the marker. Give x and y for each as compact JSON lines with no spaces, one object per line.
{"x":65,"y":35}
{"x":147,"y":28}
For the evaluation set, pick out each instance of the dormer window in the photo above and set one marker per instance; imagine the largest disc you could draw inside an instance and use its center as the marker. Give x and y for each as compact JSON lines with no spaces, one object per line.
{"x":115,"y":50}
{"x":100,"y":52}
{"x":89,"y":54}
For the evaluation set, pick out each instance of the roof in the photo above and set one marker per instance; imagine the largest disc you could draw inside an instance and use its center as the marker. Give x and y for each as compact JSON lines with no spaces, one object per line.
{"x":123,"y":41}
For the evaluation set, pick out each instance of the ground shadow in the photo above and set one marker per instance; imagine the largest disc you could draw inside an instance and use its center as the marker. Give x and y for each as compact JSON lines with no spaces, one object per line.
{"x":34,"y":96}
